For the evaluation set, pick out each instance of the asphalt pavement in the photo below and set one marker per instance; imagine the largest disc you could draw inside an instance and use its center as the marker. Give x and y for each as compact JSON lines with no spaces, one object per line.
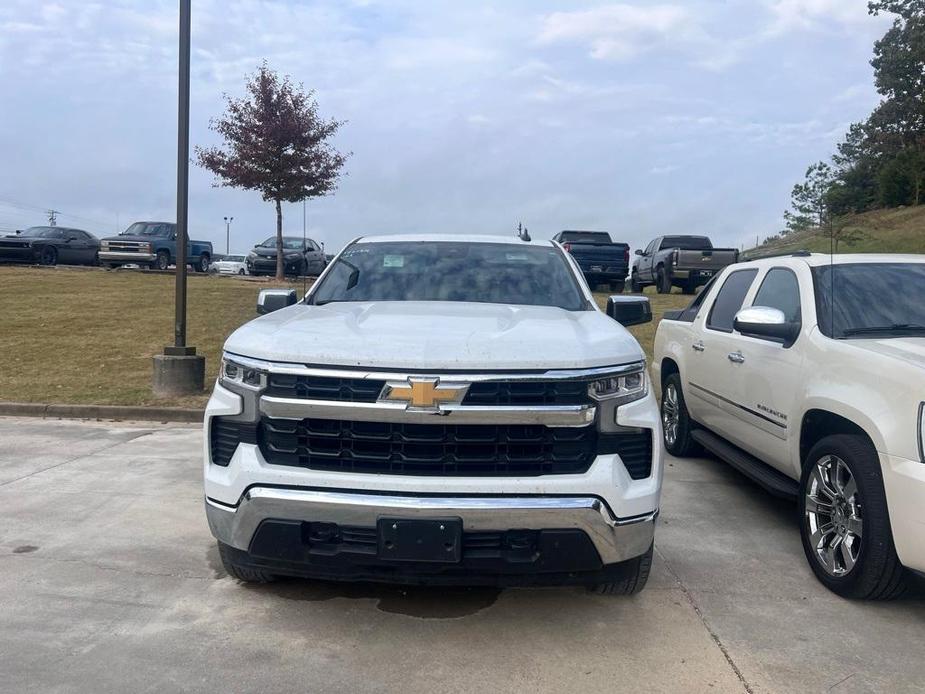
{"x":110,"y":582}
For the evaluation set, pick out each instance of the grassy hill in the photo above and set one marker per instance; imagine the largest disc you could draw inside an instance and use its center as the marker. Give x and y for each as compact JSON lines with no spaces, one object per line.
{"x":899,"y":230}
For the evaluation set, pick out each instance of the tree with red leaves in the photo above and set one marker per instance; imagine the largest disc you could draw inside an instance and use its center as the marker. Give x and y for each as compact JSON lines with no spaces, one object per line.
{"x":275,"y":143}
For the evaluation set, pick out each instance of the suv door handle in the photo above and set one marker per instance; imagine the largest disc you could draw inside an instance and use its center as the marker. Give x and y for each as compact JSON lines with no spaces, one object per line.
{"x":736,"y":357}
{"x":698,"y":346}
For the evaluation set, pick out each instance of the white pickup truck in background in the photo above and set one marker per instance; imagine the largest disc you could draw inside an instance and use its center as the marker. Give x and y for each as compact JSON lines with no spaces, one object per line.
{"x":437,"y":409}
{"x":807,"y":373}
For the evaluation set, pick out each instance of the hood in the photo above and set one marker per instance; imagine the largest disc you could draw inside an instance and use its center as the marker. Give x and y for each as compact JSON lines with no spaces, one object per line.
{"x":448,"y":336}
{"x":907,"y":349}
{"x":132,"y":237}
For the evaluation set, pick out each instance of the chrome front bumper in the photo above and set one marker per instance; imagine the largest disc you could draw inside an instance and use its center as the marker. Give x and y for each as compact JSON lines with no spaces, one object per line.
{"x":126,"y":257}
{"x":616,"y":539}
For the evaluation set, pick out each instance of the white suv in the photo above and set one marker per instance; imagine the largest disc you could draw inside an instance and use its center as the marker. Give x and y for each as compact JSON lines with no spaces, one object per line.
{"x":807,"y":373}
{"x":437,"y":409}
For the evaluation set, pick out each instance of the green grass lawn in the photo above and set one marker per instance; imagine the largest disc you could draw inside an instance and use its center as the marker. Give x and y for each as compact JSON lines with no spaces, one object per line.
{"x":88,"y":335}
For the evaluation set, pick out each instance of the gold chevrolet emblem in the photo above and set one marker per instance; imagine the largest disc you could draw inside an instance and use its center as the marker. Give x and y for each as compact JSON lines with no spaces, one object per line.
{"x":423,"y":393}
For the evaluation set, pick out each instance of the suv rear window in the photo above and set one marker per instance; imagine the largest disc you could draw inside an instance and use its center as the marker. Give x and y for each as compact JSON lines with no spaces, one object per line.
{"x":730,"y":299}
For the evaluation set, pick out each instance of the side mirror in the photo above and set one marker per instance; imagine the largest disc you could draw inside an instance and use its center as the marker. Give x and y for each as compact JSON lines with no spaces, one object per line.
{"x":763,"y":321}
{"x":639,"y":251}
{"x":629,"y":310}
{"x":270,"y":300}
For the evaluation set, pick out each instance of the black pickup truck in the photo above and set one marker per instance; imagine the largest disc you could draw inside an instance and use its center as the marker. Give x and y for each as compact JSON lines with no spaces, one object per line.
{"x":600,"y":259}
{"x":687,"y":262}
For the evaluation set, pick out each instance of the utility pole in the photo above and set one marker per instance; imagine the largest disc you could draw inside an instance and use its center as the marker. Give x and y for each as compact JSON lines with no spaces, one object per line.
{"x":180,"y":371}
{"x":228,"y":221}
{"x":53,"y":217}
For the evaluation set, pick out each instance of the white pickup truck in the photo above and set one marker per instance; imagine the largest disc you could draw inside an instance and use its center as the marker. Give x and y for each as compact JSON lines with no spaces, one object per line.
{"x":437,"y":409}
{"x":807,"y":373}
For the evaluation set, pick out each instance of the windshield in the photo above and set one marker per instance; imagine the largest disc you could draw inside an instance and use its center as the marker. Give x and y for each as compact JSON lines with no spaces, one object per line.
{"x":585,"y":237}
{"x":289,"y":243}
{"x":686,"y":243}
{"x":870,"y":300}
{"x":496,"y":273}
{"x":40,"y":232}
{"x":148,"y":229}
{"x":234,"y":258}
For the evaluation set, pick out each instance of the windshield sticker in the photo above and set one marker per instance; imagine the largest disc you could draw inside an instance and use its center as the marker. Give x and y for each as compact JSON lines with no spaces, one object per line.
{"x":516,"y":256}
{"x":393,"y":261}
{"x":350,"y":252}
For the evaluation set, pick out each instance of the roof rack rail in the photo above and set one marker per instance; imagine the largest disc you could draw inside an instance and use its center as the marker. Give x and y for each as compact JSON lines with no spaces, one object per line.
{"x":781,"y":254}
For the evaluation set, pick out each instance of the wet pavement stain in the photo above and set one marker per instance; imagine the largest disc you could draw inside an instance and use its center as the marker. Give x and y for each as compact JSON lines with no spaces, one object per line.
{"x":422,"y":602}
{"x":215,"y":562}
{"x":25,"y":549}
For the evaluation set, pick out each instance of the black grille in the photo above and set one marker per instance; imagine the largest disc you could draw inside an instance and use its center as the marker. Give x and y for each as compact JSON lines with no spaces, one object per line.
{"x":362,"y":538}
{"x":528,"y":393}
{"x":451,"y":450}
{"x":324,"y":388}
{"x":225,"y":435}
{"x":635,"y":451}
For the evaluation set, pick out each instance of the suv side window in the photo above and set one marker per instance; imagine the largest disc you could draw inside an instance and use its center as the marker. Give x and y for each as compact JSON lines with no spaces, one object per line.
{"x":729,"y":300}
{"x":781,"y":290}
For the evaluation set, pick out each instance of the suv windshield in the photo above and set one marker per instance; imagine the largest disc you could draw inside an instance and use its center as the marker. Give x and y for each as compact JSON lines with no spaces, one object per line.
{"x":496,"y":273}
{"x":872,"y":300}
{"x":289,"y":243}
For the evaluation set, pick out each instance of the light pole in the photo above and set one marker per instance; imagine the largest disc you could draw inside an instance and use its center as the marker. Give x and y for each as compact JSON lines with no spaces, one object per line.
{"x":179,"y":370}
{"x":228,"y":221}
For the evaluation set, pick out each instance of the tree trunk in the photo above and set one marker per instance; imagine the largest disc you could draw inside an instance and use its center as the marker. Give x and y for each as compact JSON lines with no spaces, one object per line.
{"x":280,"y":276}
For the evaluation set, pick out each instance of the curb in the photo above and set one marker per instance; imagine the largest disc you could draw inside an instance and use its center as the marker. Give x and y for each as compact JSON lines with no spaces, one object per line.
{"x":117,"y":412}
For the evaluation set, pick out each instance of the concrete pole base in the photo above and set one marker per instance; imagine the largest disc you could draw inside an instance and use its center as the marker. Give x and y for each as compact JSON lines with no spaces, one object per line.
{"x":179,"y":375}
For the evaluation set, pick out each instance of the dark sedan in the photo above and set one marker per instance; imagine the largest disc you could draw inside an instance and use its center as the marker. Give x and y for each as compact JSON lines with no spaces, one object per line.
{"x":300,"y":257}
{"x":50,"y":246}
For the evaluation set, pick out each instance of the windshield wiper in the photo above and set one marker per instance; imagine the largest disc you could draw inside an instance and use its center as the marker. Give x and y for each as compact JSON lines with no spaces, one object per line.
{"x":894,"y":328}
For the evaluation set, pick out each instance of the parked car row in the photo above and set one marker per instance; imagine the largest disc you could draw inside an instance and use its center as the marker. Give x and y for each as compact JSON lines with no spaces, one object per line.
{"x":687,"y":262}
{"x":154,"y":245}
{"x":807,"y":374}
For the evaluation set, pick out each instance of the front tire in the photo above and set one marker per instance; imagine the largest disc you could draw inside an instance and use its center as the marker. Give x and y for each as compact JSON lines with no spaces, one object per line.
{"x":241,"y":272}
{"x":637,"y":576}
{"x":49,"y":256}
{"x":635,"y":284}
{"x":845,"y":521}
{"x":676,"y":421}
{"x":203,"y":264}
{"x":162,"y":261}
{"x":243,"y":573}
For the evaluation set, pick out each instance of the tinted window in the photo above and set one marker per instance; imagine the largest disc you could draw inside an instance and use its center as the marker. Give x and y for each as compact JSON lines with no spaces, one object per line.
{"x":870,"y":300}
{"x":687,"y":243}
{"x":781,"y":290}
{"x":497,"y":273}
{"x":584,"y":237}
{"x":690,"y":313}
{"x":40,"y":232}
{"x":290,"y":243}
{"x":149,"y":229}
{"x":729,"y":300}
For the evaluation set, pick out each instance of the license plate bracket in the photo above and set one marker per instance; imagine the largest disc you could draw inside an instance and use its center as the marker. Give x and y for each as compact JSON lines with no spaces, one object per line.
{"x":436,"y":540}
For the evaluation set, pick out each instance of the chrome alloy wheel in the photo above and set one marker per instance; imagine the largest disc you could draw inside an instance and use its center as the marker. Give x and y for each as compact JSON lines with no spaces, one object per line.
{"x":833,"y":515}
{"x":671,"y":414}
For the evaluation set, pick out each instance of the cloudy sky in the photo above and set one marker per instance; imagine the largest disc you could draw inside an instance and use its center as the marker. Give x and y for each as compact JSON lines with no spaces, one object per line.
{"x":638,"y":118}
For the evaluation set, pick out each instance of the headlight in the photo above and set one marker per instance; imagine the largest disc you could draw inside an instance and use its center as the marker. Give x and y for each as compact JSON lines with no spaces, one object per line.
{"x":624,"y":387}
{"x":234,"y":374}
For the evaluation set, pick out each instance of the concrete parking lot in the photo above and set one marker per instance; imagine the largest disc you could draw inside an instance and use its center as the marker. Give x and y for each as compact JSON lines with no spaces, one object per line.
{"x":110,"y":582}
